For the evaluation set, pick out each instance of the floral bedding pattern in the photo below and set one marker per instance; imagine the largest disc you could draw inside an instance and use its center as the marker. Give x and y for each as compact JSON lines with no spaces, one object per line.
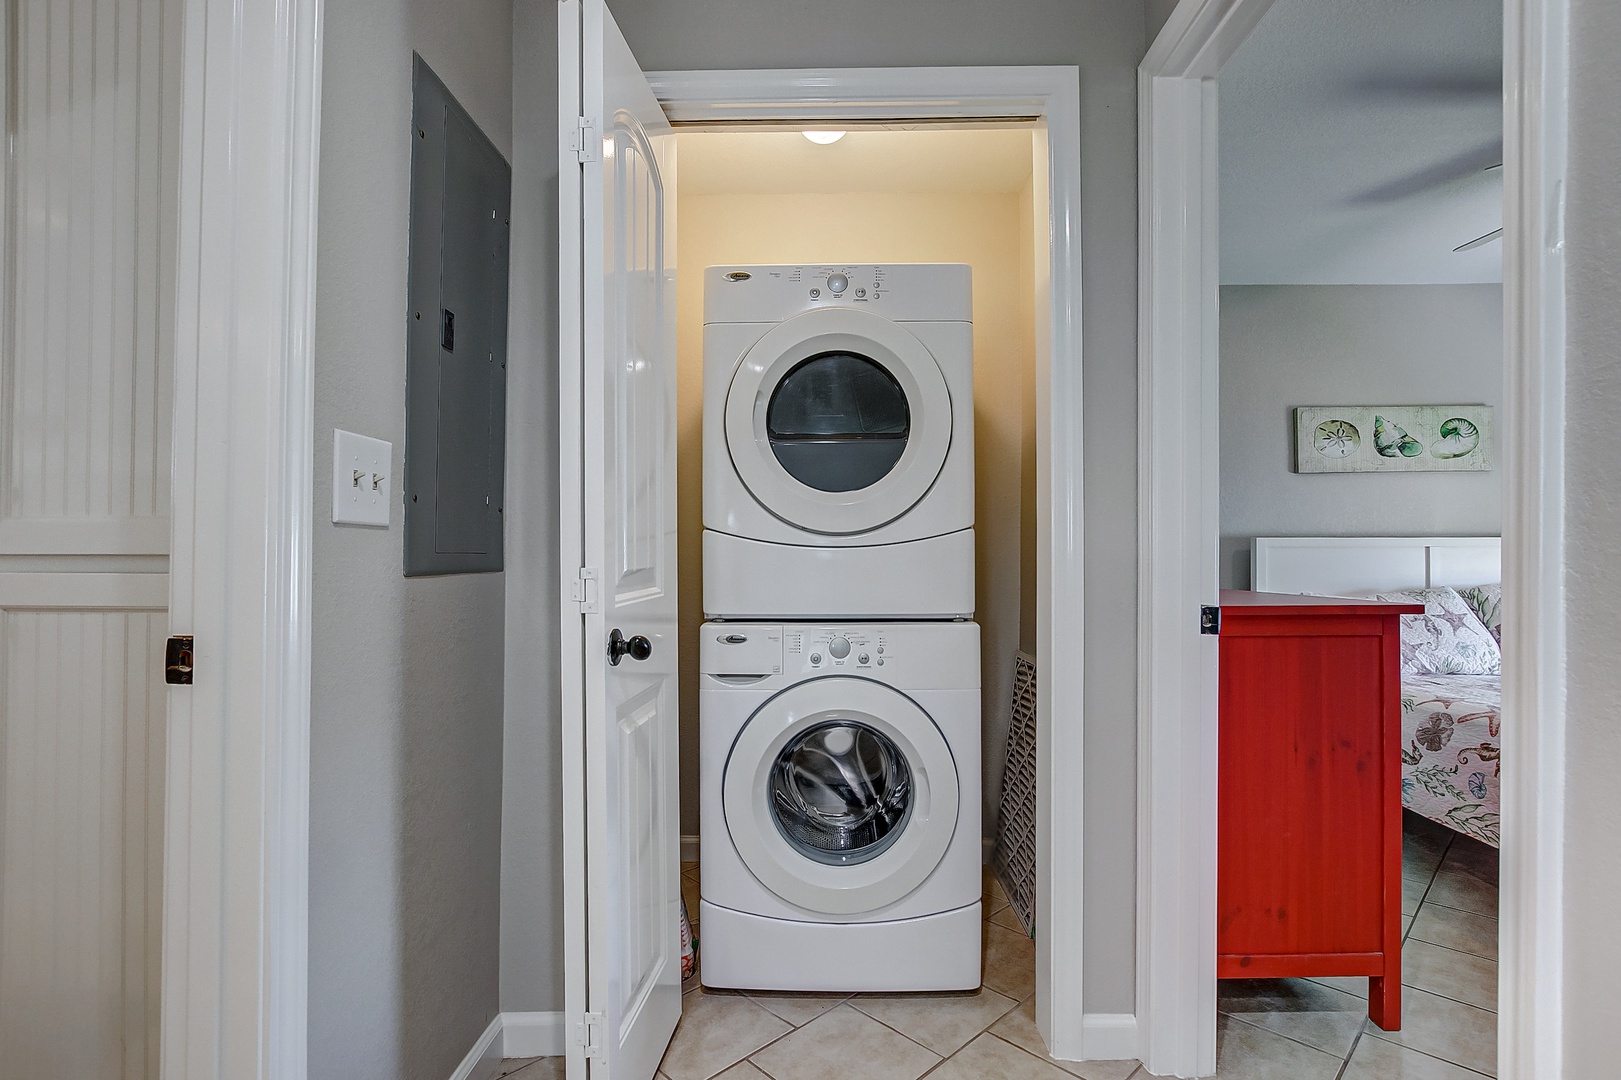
{"x":1451,"y":743}
{"x":1486,"y":601}
{"x":1448,"y":639}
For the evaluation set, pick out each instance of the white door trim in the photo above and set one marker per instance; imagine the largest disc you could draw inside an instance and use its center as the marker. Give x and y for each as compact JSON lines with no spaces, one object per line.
{"x":1530,"y":1035}
{"x":1053,"y":95}
{"x":1179,"y":275}
{"x":236,"y":851}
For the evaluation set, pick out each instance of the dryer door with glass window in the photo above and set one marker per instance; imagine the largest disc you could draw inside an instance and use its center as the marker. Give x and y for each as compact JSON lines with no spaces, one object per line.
{"x":841,"y":795}
{"x":838,"y":421}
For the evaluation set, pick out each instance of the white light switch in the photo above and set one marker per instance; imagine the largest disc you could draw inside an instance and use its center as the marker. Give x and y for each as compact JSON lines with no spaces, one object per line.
{"x":362,"y":479}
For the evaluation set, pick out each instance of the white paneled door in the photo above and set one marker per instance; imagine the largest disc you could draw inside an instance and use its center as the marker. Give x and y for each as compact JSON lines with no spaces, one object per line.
{"x":618,"y":513}
{"x":91,"y":109}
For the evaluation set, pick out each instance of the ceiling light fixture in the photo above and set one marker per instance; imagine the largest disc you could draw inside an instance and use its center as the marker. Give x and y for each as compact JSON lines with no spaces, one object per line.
{"x":823,"y":138}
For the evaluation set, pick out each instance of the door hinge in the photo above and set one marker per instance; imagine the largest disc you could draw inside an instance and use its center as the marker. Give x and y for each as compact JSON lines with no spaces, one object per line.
{"x":177,"y":661}
{"x":588,"y":1033}
{"x":1209,"y":620}
{"x":585,"y":590}
{"x":583,"y":141}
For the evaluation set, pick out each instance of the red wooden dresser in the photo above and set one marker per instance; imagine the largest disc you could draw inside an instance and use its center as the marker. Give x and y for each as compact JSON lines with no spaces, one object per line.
{"x":1309,"y":856}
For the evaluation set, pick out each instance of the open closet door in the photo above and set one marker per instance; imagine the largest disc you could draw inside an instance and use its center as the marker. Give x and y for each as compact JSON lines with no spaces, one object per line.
{"x":618,"y":548}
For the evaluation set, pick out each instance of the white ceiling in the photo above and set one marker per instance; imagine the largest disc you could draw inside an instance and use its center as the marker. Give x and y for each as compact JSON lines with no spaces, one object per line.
{"x":1356,"y":136}
{"x":787,"y":163}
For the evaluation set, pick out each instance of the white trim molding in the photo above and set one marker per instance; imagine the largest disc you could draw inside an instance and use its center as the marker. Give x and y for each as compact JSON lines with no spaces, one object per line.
{"x":236,"y":838}
{"x":1110,"y":1036}
{"x":1049,"y":96}
{"x":1530,"y":1032}
{"x":1178,"y":529}
{"x":513,"y":1035}
{"x":1179,"y":274}
{"x":533,"y":1034}
{"x":484,"y":1059}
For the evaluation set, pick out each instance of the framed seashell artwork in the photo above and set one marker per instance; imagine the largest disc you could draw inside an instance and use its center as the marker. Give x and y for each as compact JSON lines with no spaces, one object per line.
{"x":1394,"y":438}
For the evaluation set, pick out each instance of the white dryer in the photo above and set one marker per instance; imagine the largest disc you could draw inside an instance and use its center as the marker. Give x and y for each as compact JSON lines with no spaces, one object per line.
{"x":838,"y":442}
{"x":839,"y":767}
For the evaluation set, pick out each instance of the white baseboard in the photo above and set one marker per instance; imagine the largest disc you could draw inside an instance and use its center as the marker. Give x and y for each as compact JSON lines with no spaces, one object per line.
{"x":533,"y":1034}
{"x":484,"y":1058}
{"x":1109,"y":1036}
{"x":689,"y":849}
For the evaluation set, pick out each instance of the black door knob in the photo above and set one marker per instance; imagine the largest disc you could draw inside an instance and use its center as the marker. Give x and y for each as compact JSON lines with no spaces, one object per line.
{"x":619,"y":646}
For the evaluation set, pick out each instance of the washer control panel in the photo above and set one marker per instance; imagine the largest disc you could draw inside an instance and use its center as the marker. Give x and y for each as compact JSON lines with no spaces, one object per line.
{"x":810,"y":650}
{"x":741,"y":649}
{"x":909,"y":655}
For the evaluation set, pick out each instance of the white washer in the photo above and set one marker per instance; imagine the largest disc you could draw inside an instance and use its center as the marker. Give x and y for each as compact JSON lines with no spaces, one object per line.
{"x":838,"y":441}
{"x":839,"y":768}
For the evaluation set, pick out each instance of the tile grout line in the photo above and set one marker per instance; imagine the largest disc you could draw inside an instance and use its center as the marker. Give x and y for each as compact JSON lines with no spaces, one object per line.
{"x":749,"y":1057}
{"x":1044,"y":1061}
{"x":1422,"y":1053}
{"x":1349,"y":1054}
{"x":1459,"y":910}
{"x":1288,"y":1038}
{"x":1452,"y":949}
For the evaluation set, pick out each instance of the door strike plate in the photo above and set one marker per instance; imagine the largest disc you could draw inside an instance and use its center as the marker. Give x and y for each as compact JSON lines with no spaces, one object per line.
{"x":177,"y":661}
{"x":1209,"y":620}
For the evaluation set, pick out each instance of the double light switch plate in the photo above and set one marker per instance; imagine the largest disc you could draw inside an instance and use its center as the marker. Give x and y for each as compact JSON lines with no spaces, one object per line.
{"x":362,"y":479}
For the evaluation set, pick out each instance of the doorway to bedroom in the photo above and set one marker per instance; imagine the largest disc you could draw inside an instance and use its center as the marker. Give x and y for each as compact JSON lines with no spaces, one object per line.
{"x":1361,"y":373}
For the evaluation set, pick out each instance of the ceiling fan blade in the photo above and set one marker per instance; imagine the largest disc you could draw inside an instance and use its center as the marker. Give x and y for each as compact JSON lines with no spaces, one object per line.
{"x":1479,"y":240}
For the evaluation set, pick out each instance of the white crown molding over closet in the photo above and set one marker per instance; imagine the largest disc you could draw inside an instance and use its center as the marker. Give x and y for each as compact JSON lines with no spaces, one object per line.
{"x":1051,"y":95}
{"x":1179,"y":274}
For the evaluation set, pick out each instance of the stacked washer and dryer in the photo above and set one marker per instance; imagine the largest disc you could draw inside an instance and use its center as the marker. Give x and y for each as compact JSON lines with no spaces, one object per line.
{"x":839,"y":708}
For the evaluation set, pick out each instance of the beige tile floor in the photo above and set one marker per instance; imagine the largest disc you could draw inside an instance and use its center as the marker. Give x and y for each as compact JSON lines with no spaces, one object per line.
{"x":1268,"y":1029}
{"x":1306,"y":1029}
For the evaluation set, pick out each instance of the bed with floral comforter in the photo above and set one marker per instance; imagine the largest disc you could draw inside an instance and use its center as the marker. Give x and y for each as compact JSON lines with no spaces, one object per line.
{"x":1451,"y":706}
{"x":1451,"y":727}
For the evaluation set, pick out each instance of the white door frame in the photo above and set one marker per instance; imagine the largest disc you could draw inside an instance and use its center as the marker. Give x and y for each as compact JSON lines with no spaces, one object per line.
{"x":1053,"y":95}
{"x":1179,"y":275}
{"x":236,"y":834}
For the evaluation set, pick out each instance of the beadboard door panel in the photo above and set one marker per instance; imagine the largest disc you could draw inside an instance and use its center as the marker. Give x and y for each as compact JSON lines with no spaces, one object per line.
{"x":89,"y":189}
{"x":81,"y":801}
{"x":89,"y":295}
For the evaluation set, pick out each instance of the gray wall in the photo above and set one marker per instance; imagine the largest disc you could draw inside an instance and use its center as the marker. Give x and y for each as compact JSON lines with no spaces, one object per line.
{"x":1289,"y":345}
{"x":1593,"y":554}
{"x":532,"y":797}
{"x":1158,"y":12}
{"x":406,"y":697}
{"x":1106,"y":39}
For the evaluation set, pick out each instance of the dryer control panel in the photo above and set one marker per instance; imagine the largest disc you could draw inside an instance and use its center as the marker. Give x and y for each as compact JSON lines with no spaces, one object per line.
{"x":901,"y":292}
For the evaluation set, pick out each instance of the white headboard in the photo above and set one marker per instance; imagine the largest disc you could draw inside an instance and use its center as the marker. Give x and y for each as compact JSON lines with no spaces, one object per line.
{"x":1335,"y":565}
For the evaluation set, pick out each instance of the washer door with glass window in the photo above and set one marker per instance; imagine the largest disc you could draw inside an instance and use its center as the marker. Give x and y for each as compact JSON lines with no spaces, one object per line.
{"x":838,"y":421}
{"x":841,"y":795}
